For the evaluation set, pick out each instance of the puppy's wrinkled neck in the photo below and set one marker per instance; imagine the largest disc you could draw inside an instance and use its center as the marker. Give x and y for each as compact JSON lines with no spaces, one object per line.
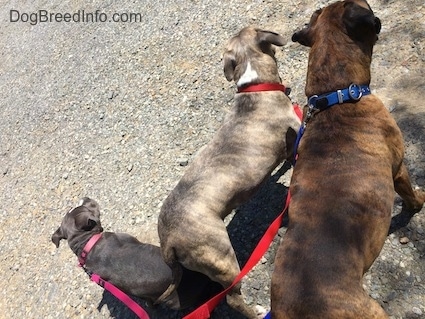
{"x":78,"y":241}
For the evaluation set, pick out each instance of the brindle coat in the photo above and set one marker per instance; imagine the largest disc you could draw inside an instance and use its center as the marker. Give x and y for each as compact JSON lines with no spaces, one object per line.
{"x":255,"y":137}
{"x":350,"y":163}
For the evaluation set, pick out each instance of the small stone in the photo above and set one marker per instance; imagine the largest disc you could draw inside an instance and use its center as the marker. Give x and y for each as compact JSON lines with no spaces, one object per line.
{"x":256,"y":285}
{"x":112,"y":95}
{"x":404,"y":240}
{"x":391,"y":296}
{"x":417,"y":311}
{"x":395,"y":241}
{"x":260,"y":310}
{"x":183,"y":161}
{"x":410,"y":279}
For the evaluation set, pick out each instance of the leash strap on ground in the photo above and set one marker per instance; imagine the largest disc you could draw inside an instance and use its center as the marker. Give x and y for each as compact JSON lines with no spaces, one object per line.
{"x":204,"y":311}
{"x":130,"y":303}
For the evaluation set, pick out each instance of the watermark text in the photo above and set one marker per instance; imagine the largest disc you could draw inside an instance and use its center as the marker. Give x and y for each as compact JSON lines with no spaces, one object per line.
{"x":79,"y":16}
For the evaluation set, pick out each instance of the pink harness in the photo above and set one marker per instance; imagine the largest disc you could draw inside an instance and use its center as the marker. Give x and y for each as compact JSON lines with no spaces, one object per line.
{"x":130,"y":303}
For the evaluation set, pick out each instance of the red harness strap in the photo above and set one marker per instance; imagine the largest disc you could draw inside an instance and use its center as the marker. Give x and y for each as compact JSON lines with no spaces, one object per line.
{"x":204,"y":311}
{"x":130,"y":303}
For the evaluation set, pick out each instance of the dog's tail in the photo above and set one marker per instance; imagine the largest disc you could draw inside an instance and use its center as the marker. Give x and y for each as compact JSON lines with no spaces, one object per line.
{"x":177,"y":272}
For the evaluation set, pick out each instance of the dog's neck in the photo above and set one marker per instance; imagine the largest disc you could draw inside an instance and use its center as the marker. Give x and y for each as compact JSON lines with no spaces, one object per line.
{"x":77,"y":242}
{"x":257,"y":73}
{"x":331,"y":67}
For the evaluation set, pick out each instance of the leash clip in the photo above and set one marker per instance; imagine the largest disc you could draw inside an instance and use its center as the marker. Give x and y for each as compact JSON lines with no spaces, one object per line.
{"x":312,"y":102}
{"x":311,"y":106}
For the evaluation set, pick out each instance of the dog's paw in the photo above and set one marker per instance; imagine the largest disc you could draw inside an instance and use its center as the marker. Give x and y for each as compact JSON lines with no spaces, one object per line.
{"x":421,"y":194}
{"x":260,"y":311}
{"x":419,"y":201}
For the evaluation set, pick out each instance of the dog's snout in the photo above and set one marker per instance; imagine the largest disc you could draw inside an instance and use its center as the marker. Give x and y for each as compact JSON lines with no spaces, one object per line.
{"x":295,"y":37}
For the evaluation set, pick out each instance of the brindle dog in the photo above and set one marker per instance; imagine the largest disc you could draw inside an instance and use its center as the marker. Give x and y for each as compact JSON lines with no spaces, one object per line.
{"x":349,"y":165}
{"x":255,"y":137}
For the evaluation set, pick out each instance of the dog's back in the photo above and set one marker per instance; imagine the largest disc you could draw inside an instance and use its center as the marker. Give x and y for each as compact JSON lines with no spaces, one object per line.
{"x":338,"y":218}
{"x":126,"y":262}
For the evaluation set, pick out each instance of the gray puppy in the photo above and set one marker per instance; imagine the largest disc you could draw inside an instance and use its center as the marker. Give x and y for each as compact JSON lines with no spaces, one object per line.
{"x":134,"y":267}
{"x":255,"y":137}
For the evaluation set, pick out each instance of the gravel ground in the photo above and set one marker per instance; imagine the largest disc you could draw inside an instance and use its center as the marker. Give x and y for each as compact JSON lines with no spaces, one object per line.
{"x":115,"y":111}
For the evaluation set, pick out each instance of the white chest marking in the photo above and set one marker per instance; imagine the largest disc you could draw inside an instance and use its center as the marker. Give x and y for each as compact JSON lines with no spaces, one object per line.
{"x":248,"y":76}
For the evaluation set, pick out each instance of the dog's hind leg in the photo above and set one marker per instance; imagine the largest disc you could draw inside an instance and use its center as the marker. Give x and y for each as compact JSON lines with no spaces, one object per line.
{"x":235,"y":300}
{"x":413,"y":199}
{"x":223,"y":267}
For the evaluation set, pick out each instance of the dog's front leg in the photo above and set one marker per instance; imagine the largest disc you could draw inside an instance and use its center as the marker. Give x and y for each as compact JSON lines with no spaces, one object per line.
{"x":413,"y":199}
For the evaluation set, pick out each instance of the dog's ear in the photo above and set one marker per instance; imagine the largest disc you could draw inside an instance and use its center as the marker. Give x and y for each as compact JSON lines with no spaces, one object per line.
{"x":91,"y":223}
{"x":229,"y":65}
{"x":270,"y":37}
{"x":92,"y":205}
{"x":360,"y":22}
{"x":305,"y":35}
{"x":58,"y":236}
{"x":377,"y":25}
{"x":86,"y":221}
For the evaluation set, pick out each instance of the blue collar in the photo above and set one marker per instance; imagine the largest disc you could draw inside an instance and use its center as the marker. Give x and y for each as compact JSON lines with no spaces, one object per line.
{"x":353,"y":93}
{"x":321,"y":102}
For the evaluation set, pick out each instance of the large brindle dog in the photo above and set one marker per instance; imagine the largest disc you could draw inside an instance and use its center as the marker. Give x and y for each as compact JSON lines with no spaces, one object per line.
{"x":349,"y":165}
{"x":251,"y":142}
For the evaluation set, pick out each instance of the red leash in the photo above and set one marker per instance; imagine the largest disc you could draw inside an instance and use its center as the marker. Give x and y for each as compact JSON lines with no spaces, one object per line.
{"x":204,"y":311}
{"x":130,"y":303}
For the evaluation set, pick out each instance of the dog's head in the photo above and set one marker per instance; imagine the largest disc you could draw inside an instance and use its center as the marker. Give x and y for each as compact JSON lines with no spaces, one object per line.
{"x":353,"y":18}
{"x":83,"y":218}
{"x":250,"y":58}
